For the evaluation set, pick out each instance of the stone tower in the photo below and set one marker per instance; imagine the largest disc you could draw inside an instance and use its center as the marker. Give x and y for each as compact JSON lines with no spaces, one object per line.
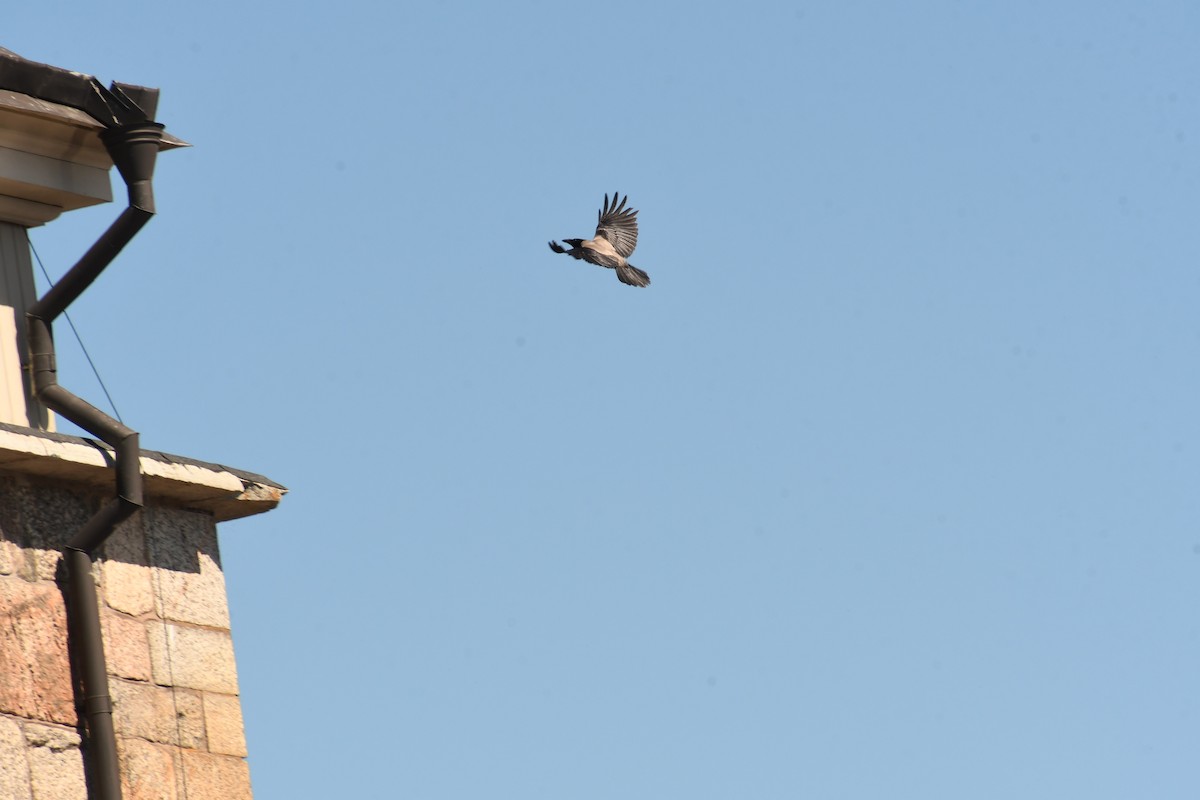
{"x":117,"y":674}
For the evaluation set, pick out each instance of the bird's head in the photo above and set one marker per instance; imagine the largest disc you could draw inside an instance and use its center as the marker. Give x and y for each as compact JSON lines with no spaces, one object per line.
{"x":574,"y":242}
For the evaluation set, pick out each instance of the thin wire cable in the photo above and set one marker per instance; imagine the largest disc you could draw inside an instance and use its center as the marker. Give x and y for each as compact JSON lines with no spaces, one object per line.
{"x":79,"y":339}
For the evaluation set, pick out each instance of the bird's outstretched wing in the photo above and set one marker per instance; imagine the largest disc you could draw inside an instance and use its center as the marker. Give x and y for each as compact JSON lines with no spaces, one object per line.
{"x":618,"y":225}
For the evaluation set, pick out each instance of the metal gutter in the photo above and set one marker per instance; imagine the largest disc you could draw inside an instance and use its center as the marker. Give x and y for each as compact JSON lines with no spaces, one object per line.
{"x":119,"y":104}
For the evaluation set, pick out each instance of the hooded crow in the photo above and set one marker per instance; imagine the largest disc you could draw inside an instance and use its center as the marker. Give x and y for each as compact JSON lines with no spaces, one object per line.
{"x":615,"y":239}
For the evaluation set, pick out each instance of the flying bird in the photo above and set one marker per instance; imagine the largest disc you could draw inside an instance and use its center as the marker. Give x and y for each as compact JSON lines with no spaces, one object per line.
{"x":615,"y":239}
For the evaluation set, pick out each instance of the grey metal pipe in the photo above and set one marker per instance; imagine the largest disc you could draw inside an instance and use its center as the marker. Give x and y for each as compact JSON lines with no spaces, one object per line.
{"x":133,"y":149}
{"x":98,"y":256}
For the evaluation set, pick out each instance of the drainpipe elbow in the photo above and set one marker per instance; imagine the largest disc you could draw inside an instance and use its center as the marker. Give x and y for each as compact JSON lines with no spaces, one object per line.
{"x":141,"y":197}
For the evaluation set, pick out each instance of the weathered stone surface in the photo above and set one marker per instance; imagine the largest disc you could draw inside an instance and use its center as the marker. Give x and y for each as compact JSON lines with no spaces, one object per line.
{"x":126,"y":647}
{"x":10,"y":516}
{"x":128,"y":588}
{"x":196,"y":658}
{"x":189,"y":717}
{"x":40,"y":518}
{"x":127,"y":543}
{"x":149,"y":771}
{"x":14,"y":769}
{"x":190,"y":586}
{"x":158,"y":713}
{"x":43,"y":563}
{"x":52,"y":736}
{"x":12,"y":557}
{"x":33,"y":652}
{"x":213,"y":777}
{"x":55,"y":763}
{"x":142,"y":710}
{"x":128,"y":580}
{"x":25,"y":563}
{"x":223,"y":724}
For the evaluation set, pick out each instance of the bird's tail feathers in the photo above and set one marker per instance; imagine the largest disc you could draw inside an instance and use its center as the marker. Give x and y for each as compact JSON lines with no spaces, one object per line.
{"x":633,"y":276}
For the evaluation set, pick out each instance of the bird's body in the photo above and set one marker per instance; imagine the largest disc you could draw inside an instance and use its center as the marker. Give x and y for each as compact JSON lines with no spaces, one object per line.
{"x":614,"y":241}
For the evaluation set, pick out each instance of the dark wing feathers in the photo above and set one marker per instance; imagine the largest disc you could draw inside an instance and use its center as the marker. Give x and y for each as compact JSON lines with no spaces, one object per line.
{"x":618,"y":225}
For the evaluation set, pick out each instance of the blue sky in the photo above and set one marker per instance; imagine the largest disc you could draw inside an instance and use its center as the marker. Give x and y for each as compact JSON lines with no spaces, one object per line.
{"x":886,"y":487}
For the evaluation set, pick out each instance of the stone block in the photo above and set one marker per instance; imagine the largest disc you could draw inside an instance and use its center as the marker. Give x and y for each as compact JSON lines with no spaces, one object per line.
{"x":128,"y":579}
{"x":214,"y":777}
{"x":223,"y":724}
{"x":55,"y":763}
{"x":56,"y":738}
{"x":150,"y":771}
{"x":142,"y":710}
{"x":158,"y":713}
{"x":14,"y":769}
{"x":12,"y":558}
{"x":128,"y":588}
{"x":35,"y":671}
{"x":189,"y":582}
{"x":196,"y":658}
{"x":126,"y":647}
{"x":25,"y":563}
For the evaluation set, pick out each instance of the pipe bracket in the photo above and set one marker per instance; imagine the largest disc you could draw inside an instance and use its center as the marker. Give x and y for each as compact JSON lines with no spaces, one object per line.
{"x":98,"y":704}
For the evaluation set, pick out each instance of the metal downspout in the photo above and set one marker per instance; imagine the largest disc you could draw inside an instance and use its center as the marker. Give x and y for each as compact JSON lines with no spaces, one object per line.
{"x":134,"y":148}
